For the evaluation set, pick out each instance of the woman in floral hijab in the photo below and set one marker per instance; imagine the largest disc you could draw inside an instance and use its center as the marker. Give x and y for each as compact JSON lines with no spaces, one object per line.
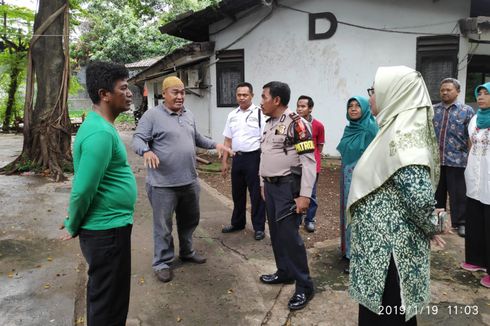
{"x":391,"y":203}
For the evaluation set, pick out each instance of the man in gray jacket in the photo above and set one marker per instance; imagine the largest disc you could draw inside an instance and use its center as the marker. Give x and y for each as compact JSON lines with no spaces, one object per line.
{"x":167,"y":137}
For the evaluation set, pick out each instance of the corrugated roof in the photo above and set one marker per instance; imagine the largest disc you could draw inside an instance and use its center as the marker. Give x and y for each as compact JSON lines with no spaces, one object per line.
{"x":183,"y":55}
{"x":143,"y":63}
{"x":194,"y":26}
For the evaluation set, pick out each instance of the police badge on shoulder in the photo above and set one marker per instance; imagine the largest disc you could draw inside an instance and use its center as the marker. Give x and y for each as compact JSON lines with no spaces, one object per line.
{"x":300,"y":135}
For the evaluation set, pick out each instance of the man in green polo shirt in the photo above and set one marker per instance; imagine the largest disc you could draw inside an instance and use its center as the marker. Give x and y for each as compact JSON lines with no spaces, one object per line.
{"x":103,"y":197}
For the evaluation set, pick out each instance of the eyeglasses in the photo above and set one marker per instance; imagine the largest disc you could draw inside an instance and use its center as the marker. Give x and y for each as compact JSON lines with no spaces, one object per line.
{"x":370,"y":91}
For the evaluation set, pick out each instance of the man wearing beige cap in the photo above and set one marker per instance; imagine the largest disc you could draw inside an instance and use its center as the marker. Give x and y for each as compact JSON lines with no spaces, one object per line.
{"x":167,"y":137}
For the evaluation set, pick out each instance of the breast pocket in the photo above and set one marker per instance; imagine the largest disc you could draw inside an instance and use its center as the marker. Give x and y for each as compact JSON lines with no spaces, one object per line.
{"x":253,"y":122}
{"x":277,"y":141}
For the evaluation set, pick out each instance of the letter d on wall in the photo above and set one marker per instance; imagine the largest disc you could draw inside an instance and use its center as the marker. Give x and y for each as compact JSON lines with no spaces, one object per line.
{"x":325,"y":35}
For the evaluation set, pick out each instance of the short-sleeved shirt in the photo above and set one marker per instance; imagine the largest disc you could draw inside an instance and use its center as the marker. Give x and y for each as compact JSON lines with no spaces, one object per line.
{"x":277,"y":158}
{"x":173,"y":137}
{"x":451,"y":127}
{"x":244,"y":128}
{"x":318,"y":133}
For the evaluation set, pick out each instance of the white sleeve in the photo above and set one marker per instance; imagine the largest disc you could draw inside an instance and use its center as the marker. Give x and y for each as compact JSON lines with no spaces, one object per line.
{"x":263,"y":119}
{"x":227,"y":132}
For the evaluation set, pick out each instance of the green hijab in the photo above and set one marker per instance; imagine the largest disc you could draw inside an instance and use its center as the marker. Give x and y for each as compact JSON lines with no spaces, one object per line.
{"x":358,"y":134}
{"x":483,"y":114}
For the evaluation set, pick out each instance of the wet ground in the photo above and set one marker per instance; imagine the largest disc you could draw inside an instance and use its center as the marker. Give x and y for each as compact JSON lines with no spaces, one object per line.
{"x":42,"y":279}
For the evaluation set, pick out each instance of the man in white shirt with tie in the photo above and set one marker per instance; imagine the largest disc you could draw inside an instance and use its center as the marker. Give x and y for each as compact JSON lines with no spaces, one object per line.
{"x":243,"y":131}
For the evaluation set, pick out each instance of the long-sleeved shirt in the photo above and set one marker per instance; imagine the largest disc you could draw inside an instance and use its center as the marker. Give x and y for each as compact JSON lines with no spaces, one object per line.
{"x":394,"y":220}
{"x":104,"y":188}
{"x":173,"y":137}
{"x":451,"y":127}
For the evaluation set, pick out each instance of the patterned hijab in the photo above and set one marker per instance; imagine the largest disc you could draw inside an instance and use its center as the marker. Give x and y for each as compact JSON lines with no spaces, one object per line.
{"x":358,"y":134}
{"x":406,"y":136}
{"x":482,"y":114}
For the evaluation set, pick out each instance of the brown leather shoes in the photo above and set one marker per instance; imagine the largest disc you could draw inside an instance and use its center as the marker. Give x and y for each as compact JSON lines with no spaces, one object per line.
{"x":164,"y":275}
{"x":196,"y":259}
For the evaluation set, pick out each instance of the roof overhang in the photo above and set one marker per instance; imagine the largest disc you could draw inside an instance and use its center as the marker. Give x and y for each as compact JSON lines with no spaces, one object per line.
{"x":171,"y":70}
{"x":194,"y":26}
{"x":187,"y":55}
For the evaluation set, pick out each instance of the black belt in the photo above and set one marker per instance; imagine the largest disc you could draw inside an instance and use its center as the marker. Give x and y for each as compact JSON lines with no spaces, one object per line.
{"x":281,"y":179}
{"x":244,"y":153}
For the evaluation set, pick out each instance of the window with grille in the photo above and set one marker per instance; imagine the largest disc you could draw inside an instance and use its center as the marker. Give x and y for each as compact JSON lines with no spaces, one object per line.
{"x":437,"y":58}
{"x":229,"y":73}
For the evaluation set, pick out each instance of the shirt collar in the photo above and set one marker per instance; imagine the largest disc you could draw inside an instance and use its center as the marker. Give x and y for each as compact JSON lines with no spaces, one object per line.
{"x":251,"y":107}
{"x":172,"y":112}
{"x":454,"y":104}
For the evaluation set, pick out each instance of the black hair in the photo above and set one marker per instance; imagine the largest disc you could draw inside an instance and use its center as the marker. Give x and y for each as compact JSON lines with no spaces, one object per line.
{"x":245,"y":84}
{"x":277,"y":88}
{"x":310,"y":100}
{"x":103,"y":75}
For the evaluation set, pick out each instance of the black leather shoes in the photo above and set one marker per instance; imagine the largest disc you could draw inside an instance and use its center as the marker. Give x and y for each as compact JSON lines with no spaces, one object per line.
{"x":231,"y":228}
{"x":196,"y":259}
{"x":300,"y":300}
{"x":164,"y":275}
{"x":462,"y":231}
{"x":259,"y":235}
{"x":274,"y":279}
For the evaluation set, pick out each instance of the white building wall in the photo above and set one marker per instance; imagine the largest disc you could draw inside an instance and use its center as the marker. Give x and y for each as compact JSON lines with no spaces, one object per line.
{"x":332,"y":70}
{"x":198,"y":105}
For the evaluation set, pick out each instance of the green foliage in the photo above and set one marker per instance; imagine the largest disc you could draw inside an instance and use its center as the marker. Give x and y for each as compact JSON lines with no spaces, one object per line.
{"x":177,"y":7}
{"x":74,"y":87}
{"x":7,"y":63}
{"x":25,"y":164}
{"x":78,"y":113}
{"x":127,"y":30}
{"x":15,"y":35}
{"x":125,"y":117}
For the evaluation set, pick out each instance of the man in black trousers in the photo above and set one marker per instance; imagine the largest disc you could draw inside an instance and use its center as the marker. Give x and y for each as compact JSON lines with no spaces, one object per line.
{"x":103,"y":196}
{"x":288,"y":171}
{"x":243,"y":131}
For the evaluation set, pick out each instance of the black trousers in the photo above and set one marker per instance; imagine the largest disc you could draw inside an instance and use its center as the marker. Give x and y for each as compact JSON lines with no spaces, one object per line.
{"x":108,"y":254}
{"x":391,"y":299}
{"x":477,"y":239}
{"x":245,"y":174}
{"x":452,"y":183}
{"x":287,"y":245}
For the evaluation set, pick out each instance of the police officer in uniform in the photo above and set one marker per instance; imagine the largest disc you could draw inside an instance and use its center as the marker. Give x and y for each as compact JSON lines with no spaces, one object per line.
{"x":288,"y":172}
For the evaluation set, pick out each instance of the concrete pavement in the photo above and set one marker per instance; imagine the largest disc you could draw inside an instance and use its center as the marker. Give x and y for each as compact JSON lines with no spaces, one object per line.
{"x":42,"y":279}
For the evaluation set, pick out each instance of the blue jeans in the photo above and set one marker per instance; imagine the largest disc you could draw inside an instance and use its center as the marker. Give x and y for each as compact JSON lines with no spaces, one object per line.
{"x":310,"y":214}
{"x":165,"y":201}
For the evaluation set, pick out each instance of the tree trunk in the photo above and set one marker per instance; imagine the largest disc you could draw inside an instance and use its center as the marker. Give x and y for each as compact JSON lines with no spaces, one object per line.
{"x":14,"y":82}
{"x":47,"y":136}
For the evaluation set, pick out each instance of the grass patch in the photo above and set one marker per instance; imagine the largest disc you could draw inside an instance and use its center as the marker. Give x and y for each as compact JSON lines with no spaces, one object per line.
{"x":213,"y":167}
